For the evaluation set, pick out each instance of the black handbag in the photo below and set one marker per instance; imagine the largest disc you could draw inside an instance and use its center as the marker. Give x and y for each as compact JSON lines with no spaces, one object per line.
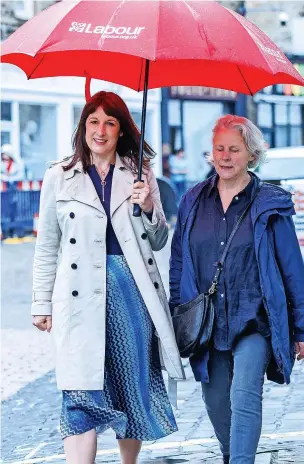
{"x":193,"y":321}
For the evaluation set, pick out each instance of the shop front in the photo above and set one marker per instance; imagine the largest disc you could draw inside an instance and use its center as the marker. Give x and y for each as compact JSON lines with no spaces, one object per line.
{"x":188,"y":116}
{"x":38,"y":117}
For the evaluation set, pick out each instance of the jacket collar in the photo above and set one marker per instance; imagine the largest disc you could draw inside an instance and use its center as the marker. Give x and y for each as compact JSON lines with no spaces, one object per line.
{"x":81,"y":188}
{"x":271,"y":197}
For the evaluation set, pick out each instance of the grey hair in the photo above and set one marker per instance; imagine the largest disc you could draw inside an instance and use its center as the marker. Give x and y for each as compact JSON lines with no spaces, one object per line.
{"x":253,"y":138}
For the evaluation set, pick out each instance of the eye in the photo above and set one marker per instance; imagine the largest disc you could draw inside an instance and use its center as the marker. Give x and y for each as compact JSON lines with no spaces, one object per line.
{"x":111,"y":123}
{"x":93,"y":121}
{"x":234,"y":150}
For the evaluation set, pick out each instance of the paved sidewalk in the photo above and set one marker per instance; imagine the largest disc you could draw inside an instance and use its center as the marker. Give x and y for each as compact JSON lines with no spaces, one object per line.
{"x":31,"y":407}
{"x":30,"y":427}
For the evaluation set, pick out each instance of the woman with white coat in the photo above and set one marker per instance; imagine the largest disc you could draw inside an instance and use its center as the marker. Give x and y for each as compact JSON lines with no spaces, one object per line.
{"x":97,"y":287}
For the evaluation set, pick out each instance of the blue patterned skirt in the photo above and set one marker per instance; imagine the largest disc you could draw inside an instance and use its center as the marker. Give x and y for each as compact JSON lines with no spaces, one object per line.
{"x":134,"y":402}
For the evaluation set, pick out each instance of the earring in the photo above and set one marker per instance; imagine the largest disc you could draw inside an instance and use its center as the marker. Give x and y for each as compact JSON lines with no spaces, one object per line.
{"x":121,"y":134}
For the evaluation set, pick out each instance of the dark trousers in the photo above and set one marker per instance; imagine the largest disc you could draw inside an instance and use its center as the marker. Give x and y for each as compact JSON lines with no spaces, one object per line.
{"x":233,"y":397}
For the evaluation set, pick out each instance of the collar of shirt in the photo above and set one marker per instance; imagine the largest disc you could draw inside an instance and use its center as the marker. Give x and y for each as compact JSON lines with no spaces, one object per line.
{"x":247,"y":191}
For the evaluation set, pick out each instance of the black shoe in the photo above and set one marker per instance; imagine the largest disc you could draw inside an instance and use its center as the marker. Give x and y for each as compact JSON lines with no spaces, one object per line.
{"x":226,"y":459}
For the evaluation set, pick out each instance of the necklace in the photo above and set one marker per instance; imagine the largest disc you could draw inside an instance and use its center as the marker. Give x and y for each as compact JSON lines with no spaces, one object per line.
{"x":103,"y":174}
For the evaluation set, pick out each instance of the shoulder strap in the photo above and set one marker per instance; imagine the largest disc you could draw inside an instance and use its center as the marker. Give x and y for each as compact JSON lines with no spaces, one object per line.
{"x":220,"y":263}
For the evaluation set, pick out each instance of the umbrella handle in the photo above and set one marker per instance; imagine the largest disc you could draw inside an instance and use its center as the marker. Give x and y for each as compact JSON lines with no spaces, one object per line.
{"x":136,"y":207}
{"x":136,"y":211}
{"x":87,"y":89}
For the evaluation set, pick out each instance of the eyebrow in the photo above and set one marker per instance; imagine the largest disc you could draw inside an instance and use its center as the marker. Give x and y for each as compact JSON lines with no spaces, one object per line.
{"x":109,"y":119}
{"x":231,"y":146}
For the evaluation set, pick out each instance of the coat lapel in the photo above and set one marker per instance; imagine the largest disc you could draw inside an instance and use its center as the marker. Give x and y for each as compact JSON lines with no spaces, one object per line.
{"x":81,"y":187}
{"x":122,"y":184}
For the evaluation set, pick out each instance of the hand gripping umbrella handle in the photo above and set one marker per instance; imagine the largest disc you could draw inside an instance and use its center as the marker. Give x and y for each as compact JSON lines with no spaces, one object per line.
{"x":137,"y":208}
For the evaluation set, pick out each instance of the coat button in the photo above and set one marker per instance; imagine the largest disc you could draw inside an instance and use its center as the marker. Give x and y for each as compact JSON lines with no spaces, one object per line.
{"x":150,"y":261}
{"x":73,"y":241}
{"x":156,"y":285}
{"x":72,"y":215}
{"x":144,"y":236}
{"x":74,"y":293}
{"x":74,"y":266}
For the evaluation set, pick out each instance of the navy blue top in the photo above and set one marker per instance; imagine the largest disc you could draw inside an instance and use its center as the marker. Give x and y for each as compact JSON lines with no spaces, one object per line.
{"x":238,"y":301}
{"x":112,"y":245}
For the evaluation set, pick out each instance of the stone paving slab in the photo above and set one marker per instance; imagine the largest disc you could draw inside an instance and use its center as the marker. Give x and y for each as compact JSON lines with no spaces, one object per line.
{"x":31,"y":407}
{"x":30,"y":429}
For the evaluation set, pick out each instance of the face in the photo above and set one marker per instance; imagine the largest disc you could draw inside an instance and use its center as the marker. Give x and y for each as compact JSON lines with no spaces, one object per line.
{"x":102,"y":133}
{"x":230,"y":154}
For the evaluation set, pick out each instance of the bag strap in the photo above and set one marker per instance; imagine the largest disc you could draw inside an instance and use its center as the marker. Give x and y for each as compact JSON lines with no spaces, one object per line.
{"x":220,"y":263}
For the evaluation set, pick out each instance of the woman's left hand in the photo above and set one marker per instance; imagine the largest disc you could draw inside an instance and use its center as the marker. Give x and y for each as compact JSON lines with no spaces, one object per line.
{"x":141,"y":196}
{"x":300,"y":350}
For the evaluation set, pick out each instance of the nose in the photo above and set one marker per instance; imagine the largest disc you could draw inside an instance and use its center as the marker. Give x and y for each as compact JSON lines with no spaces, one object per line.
{"x":101,"y":129}
{"x":225,"y":155}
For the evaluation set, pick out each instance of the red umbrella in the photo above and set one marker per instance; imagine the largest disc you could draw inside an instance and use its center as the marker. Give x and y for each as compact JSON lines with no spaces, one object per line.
{"x":178,"y":42}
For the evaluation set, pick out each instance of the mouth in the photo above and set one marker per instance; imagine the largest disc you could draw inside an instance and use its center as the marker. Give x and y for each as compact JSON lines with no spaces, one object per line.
{"x":226,"y":168}
{"x":99,"y":141}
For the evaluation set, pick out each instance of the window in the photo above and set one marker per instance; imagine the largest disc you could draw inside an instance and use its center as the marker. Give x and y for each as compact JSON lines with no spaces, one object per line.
{"x":6,"y":122}
{"x":76,"y":115}
{"x":6,"y":111}
{"x":5,"y":137}
{"x":136,"y":115}
{"x":37,"y":138}
{"x":281,"y":123}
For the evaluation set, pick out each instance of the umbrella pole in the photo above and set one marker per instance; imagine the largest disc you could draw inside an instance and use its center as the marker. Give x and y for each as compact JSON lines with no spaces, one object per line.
{"x":137,"y":208}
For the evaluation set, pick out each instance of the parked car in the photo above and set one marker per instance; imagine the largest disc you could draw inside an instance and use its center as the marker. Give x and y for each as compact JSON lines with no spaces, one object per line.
{"x":285,"y":167}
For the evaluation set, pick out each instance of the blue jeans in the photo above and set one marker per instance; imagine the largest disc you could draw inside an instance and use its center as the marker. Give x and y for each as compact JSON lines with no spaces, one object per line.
{"x":233,"y":396}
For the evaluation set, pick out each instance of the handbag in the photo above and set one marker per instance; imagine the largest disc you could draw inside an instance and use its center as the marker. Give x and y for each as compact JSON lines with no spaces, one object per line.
{"x":193,"y":321}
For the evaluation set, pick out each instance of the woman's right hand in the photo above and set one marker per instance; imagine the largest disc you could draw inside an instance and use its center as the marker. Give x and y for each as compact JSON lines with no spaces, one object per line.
{"x":43,"y":322}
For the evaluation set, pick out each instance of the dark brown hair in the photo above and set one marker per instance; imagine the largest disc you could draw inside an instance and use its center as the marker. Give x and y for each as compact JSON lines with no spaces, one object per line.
{"x":127,"y":145}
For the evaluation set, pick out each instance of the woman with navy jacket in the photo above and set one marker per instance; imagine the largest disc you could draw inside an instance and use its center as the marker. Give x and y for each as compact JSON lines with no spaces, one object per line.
{"x":259,"y":303}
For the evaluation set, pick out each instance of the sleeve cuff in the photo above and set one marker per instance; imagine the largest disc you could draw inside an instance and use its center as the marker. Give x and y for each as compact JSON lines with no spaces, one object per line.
{"x":41,"y":308}
{"x":150,"y":224}
{"x":149,"y":216}
{"x":299,"y":337}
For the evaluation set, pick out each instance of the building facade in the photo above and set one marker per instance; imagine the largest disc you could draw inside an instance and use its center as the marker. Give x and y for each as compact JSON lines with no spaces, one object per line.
{"x":38,"y":116}
{"x":279,"y":110}
{"x":189,"y":113}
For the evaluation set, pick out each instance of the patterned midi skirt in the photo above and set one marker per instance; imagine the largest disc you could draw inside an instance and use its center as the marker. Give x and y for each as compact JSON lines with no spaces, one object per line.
{"x":134,"y":402}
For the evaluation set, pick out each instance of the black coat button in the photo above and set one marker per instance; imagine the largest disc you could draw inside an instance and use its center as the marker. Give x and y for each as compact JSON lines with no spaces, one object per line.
{"x":74,"y":293}
{"x":144,"y":236}
{"x":72,"y":215}
{"x":156,"y":285}
{"x":72,"y":240}
{"x":74,"y":266}
{"x":150,"y":261}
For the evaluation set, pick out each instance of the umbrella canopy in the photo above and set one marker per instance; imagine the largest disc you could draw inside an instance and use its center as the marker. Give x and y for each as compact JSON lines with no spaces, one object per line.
{"x":187,"y":43}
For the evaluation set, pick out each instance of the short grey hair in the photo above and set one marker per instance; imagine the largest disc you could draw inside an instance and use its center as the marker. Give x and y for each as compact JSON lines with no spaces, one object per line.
{"x":253,"y":138}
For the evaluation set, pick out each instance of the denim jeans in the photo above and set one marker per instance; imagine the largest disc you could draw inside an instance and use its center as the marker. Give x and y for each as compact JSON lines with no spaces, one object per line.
{"x":233,"y":396}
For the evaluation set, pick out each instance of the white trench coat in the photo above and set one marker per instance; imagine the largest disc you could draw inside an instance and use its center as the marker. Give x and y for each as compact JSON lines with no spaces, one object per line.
{"x":72,"y":232}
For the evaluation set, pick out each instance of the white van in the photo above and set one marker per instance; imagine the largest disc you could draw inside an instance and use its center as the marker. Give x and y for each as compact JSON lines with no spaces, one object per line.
{"x":285,"y":167}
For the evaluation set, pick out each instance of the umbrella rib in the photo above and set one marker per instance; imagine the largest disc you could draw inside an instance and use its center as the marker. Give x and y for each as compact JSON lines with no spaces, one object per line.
{"x":196,"y":17}
{"x":157,"y":35}
{"x":232,"y":13}
{"x":239,"y":69}
{"x":37,"y":65}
